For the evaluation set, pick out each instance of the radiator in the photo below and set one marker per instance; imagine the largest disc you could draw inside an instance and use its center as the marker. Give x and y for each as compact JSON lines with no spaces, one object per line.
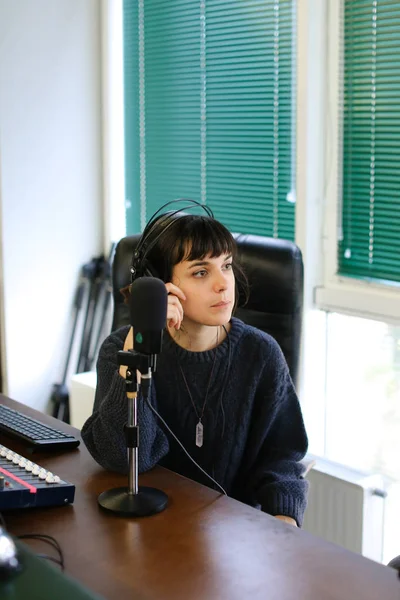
{"x":346,"y":507}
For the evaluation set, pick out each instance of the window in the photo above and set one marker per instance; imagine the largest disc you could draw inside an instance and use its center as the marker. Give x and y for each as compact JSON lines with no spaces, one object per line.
{"x":370,"y":243}
{"x":351,"y":367}
{"x":209,"y":110}
{"x":362,"y":394}
{"x":362,"y":221}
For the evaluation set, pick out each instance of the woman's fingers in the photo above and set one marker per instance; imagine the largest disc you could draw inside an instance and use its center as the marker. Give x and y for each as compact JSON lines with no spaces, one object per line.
{"x":128,"y":345}
{"x":173,"y":289}
{"x":174,"y":308}
{"x":174,"y":312}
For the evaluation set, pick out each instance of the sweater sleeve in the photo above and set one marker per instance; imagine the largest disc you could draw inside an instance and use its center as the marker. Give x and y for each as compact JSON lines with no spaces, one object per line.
{"x":277,"y":443}
{"x":103,"y":432}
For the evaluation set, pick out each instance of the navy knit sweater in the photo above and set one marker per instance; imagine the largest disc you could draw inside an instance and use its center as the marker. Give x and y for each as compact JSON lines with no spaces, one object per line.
{"x":254,"y":435}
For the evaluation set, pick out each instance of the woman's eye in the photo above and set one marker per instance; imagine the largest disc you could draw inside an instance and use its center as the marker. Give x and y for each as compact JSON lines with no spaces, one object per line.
{"x":228,"y":266}
{"x":199,"y":274}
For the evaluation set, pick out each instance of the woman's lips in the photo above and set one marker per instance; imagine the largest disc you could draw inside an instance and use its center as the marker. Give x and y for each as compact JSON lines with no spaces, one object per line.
{"x":221,"y":304}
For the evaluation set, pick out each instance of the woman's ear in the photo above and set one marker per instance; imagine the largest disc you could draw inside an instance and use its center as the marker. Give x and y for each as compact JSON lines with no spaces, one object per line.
{"x":126,"y":293}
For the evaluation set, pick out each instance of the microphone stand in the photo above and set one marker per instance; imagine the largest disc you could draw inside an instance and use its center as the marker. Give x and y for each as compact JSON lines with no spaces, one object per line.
{"x":133,"y":501}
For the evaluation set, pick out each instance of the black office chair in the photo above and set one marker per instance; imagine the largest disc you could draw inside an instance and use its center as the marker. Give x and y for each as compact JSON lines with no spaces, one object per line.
{"x":274,"y":269}
{"x":395,"y":564}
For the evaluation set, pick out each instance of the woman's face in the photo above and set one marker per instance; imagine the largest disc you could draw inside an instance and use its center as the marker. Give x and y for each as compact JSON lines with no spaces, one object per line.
{"x":209,"y":287}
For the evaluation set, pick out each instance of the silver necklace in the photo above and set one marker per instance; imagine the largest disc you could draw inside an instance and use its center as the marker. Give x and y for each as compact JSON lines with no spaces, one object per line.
{"x":200,"y":427}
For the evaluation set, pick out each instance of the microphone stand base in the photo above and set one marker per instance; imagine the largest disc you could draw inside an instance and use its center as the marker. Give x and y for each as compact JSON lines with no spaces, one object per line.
{"x":148,"y":501}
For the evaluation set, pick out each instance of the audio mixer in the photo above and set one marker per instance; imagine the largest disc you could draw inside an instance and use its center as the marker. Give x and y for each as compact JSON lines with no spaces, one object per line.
{"x":24,"y":483}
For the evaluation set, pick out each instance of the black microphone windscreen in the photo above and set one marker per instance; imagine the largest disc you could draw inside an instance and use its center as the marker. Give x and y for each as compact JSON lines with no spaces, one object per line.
{"x":148,"y":313}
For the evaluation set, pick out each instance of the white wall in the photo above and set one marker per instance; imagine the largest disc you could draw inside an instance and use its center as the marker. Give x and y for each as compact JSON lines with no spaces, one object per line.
{"x":50,"y":180}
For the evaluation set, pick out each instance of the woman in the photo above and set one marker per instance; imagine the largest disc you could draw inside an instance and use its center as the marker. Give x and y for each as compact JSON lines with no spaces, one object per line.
{"x":222,"y":387}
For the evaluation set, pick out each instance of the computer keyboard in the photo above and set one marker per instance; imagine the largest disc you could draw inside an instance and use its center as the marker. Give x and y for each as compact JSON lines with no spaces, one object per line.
{"x":32,"y":432}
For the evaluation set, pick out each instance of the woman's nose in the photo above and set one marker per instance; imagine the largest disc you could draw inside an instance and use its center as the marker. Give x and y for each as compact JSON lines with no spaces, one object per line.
{"x":220,"y":283}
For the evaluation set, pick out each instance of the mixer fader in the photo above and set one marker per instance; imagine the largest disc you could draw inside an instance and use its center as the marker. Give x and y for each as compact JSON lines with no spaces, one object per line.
{"x":24,"y":483}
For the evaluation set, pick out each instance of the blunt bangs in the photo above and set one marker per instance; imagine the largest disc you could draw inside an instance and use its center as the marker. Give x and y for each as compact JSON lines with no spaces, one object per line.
{"x":190,"y":237}
{"x":198,"y":237}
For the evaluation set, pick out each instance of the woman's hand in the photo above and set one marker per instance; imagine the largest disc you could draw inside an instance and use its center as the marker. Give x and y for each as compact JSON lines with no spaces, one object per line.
{"x":128,"y":345}
{"x":174,"y":309}
{"x":286,"y":519}
{"x":174,"y":319}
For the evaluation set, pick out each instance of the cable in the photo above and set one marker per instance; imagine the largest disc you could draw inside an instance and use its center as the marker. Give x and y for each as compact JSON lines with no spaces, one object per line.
{"x":222,"y":410}
{"x":49,"y":540}
{"x":55,"y":560}
{"x":44,"y":538}
{"x":181,"y":445}
{"x":221,"y":404}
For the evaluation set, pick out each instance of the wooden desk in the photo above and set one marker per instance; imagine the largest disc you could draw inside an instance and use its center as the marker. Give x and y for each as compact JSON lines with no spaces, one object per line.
{"x":203,"y":546}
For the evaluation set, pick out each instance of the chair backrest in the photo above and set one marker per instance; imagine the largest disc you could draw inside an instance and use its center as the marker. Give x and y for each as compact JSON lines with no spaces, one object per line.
{"x":274,"y":269}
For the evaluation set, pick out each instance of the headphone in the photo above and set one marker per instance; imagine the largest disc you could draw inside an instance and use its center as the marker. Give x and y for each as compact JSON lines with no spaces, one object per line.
{"x":140,"y":266}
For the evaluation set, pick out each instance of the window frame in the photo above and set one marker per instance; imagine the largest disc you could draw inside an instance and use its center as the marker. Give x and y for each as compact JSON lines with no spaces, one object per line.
{"x":363,"y":298}
{"x":113,"y":150}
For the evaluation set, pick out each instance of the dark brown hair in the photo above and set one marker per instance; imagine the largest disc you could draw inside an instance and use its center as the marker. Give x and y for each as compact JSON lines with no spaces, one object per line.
{"x":178,"y":237}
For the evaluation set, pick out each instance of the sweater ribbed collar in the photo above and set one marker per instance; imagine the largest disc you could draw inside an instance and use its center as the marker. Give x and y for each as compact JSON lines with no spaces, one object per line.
{"x":171,"y":348}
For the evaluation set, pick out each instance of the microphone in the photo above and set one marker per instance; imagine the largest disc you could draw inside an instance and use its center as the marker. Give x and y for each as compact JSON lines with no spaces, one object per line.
{"x":148,"y":315}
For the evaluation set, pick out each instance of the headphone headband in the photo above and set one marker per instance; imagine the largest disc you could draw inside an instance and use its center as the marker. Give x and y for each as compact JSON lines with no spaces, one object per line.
{"x":141,"y":251}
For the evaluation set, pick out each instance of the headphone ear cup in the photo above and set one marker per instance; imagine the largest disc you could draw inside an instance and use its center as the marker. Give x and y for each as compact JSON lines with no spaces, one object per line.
{"x":149,"y":271}
{"x":134,"y":273}
{"x":142,"y":268}
{"x":137,"y":266}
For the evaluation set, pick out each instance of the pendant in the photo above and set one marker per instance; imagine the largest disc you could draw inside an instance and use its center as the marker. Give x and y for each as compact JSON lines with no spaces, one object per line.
{"x":199,"y":434}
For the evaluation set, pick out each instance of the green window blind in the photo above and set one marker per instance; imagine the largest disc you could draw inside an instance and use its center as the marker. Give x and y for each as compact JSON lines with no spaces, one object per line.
{"x":370,"y":244}
{"x":209,"y":110}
